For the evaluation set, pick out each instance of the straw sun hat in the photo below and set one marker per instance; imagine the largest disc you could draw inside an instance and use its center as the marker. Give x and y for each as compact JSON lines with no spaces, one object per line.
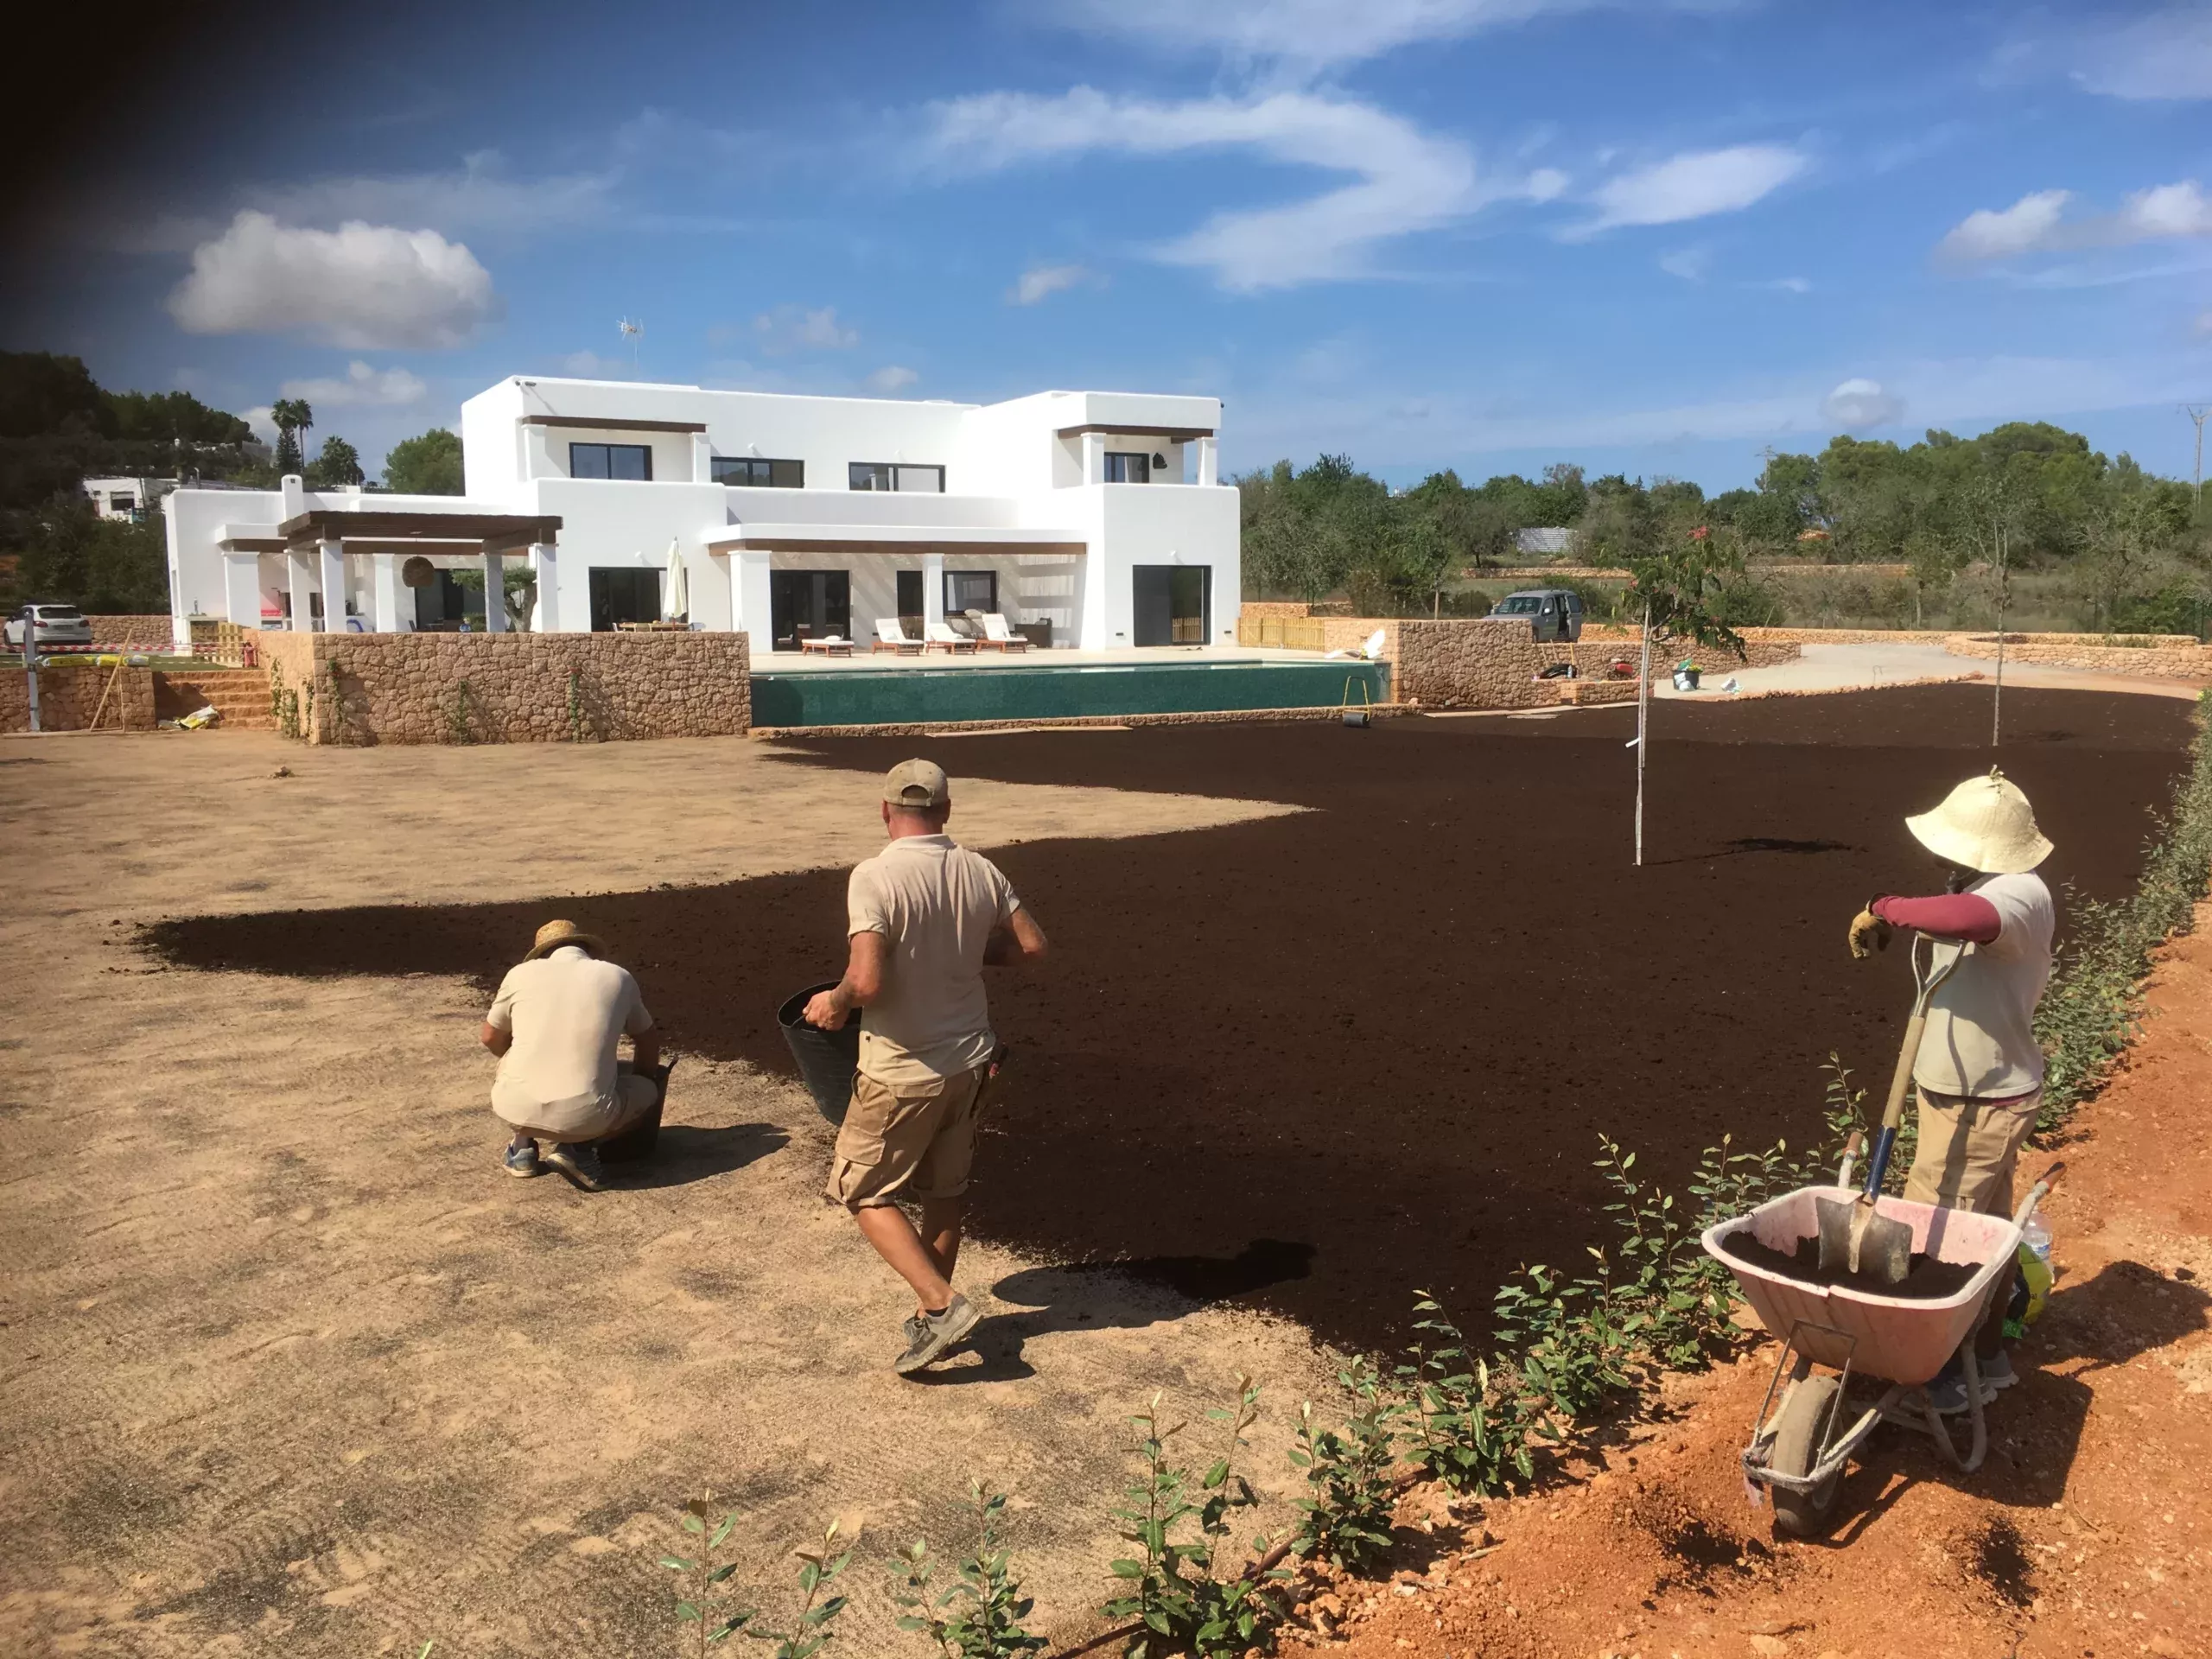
{"x":1985,"y":824}
{"x":551,"y":936}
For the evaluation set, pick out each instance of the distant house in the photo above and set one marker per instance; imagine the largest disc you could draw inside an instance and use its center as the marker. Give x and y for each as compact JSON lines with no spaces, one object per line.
{"x":126,"y":497}
{"x":1544,"y":543}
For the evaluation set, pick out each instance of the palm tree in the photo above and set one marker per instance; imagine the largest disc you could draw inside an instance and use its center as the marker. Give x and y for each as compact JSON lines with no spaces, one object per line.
{"x":292,"y":418}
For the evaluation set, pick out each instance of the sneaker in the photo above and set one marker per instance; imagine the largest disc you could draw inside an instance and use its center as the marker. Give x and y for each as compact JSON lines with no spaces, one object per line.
{"x":1998,"y":1373}
{"x":580,"y":1164}
{"x":523,"y":1161}
{"x":930,"y":1336}
{"x":1948,"y":1393}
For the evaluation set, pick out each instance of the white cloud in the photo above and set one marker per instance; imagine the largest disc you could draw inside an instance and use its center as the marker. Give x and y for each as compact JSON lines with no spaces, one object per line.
{"x":361,"y":286}
{"x":261,"y":418}
{"x":1041,"y":281}
{"x":1405,"y":180}
{"x":2166,"y":54}
{"x":796,"y":329}
{"x":1688,"y":263}
{"x":1694,"y":185}
{"x":1316,"y":33}
{"x":1787,"y":284}
{"x":892,"y":376}
{"x":1857,"y":405}
{"x":2036,"y":224}
{"x":362,"y":386}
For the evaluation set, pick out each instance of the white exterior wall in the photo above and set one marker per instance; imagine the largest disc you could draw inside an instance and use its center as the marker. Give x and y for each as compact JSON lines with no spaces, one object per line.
{"x":1009,"y":477}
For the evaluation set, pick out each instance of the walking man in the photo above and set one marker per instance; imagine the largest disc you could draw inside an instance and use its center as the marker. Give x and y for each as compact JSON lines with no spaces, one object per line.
{"x":554,"y":1024}
{"x":1980,"y":1072}
{"x":924,"y":917}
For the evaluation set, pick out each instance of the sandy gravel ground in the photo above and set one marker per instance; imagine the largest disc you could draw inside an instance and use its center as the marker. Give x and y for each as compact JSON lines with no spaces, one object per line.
{"x":289,"y":1366}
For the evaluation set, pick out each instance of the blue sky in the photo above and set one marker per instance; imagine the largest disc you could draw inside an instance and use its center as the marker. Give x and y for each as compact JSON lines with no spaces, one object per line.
{"x":1484,"y":234}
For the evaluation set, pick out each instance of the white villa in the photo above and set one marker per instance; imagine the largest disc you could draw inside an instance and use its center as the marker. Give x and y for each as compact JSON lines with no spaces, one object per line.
{"x":1100,"y":515}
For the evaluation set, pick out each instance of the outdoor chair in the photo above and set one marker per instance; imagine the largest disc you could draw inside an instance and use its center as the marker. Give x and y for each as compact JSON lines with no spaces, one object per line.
{"x":890,"y":636}
{"x":997,"y":636}
{"x":830,"y":645}
{"x":939,"y":636}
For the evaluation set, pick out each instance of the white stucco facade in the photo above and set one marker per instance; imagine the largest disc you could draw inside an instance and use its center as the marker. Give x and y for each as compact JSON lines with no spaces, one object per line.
{"x":1032,"y":504}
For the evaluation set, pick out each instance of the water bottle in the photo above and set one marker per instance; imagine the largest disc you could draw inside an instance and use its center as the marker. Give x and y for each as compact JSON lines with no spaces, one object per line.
{"x":2037,"y":1236}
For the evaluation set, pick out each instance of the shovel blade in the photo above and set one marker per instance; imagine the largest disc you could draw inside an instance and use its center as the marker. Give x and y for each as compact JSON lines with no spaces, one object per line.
{"x":1856,"y":1238}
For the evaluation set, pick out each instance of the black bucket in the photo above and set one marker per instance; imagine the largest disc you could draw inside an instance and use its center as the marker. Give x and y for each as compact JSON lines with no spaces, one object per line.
{"x":636,"y":1144}
{"x":827,"y":1059}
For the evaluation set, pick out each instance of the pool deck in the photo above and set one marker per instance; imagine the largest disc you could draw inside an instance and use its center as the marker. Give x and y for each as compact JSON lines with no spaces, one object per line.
{"x":862,"y":659}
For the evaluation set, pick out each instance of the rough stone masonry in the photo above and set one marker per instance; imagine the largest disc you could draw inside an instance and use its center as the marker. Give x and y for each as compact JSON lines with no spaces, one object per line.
{"x":360,"y":688}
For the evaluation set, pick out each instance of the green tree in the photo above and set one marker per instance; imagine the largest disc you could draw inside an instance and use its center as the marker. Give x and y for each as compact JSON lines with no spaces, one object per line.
{"x":338,"y":465}
{"x":292,"y":417}
{"x":428,"y":464}
{"x":71,"y":556}
{"x":42,"y":394}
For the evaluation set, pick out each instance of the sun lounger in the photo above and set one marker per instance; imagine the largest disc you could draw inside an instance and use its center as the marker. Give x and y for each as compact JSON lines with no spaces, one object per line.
{"x":997,"y":636}
{"x":939,"y":636}
{"x":830,"y":645}
{"x":890,"y":635}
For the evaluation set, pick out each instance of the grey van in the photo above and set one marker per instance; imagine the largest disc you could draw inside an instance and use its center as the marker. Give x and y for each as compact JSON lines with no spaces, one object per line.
{"x":1552,"y":612}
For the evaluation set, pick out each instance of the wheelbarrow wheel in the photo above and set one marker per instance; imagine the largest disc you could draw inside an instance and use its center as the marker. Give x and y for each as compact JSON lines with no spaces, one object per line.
{"x":1797,"y":1448}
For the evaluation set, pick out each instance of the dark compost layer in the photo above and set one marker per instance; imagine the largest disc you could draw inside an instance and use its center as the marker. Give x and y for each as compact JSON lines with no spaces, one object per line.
{"x":1925,"y":1280}
{"x":1353,"y":1051}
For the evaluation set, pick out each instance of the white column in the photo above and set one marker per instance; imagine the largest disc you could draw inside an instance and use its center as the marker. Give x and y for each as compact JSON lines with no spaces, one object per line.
{"x":242,"y":588}
{"x":536,"y":454}
{"x":332,"y":558}
{"x":384,"y":589}
{"x":495,"y":593}
{"x":750,"y":612}
{"x":1093,"y":457}
{"x":292,"y":494}
{"x":702,"y":459}
{"x":1209,"y":461}
{"x":933,"y":587}
{"x":546,"y":565}
{"x":303,"y":582}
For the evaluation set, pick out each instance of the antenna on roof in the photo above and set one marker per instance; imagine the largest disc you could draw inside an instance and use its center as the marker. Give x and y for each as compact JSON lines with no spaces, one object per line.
{"x":630,"y":329}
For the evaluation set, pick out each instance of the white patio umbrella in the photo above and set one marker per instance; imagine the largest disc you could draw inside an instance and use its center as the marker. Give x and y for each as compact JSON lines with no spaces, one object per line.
{"x":678,"y":589}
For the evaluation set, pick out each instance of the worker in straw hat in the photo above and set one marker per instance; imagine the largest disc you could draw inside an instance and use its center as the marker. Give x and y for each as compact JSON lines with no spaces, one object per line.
{"x":924,"y":917}
{"x":555,"y":1024}
{"x":1980,"y":1070}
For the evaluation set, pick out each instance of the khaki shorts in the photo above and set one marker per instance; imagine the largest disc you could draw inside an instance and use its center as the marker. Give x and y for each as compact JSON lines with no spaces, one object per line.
{"x":1966,"y":1151}
{"x":906,"y":1140}
{"x":634,"y":1096}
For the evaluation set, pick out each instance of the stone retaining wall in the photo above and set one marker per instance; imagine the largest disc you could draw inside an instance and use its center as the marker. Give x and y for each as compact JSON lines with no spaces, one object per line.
{"x":69,"y":694}
{"x":509,"y":688}
{"x":134,"y":633}
{"x":2181,"y":659}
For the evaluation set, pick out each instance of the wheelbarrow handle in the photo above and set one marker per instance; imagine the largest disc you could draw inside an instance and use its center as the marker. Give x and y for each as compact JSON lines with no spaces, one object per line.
{"x":1851,"y":1145}
{"x":2045,"y":1182}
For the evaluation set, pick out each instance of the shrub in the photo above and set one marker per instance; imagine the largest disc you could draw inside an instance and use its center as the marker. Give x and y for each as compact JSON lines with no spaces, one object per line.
{"x":990,"y":1626}
{"x":703,"y":1604}
{"x":1471,"y":1439}
{"x":1350,"y":1493}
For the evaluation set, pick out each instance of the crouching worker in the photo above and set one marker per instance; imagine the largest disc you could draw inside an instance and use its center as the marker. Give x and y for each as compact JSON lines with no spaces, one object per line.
{"x":922,"y":917}
{"x":554,"y":1025}
{"x":1980,"y":1072}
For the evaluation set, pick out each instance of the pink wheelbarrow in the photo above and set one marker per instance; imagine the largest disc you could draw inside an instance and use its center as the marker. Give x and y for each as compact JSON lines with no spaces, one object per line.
{"x":1798,"y":1451}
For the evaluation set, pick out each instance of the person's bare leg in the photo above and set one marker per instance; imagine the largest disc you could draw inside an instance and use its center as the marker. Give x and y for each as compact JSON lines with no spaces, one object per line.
{"x":940,"y":1224}
{"x":885,"y":1227}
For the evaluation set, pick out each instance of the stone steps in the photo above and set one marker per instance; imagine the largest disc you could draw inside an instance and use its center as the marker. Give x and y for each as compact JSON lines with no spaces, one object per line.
{"x":240,"y":695}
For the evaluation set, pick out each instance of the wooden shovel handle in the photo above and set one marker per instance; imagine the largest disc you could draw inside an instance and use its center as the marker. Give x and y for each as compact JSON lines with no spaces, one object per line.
{"x":1901,"y":1085}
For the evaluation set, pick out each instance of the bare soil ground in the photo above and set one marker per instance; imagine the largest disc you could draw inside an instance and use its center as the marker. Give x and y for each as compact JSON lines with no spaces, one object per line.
{"x":1315,"y":1060}
{"x":2087,"y":1533}
{"x":289,"y":1366}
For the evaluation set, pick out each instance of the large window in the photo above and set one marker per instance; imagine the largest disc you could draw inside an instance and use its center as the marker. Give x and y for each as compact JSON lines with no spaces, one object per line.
{"x":970,"y":590}
{"x":885,"y":475}
{"x":623,"y":594}
{"x":632,"y":460}
{"x":1131,"y":467}
{"x":760,"y":474}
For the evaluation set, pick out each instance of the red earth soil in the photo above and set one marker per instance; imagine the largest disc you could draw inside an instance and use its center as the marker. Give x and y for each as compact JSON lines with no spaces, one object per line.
{"x":1314,"y":1061}
{"x":2088,"y":1535}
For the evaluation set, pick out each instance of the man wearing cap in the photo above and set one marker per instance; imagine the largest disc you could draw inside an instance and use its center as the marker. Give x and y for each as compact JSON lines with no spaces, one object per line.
{"x":1980,"y":1071}
{"x":554,"y":1024}
{"x":922,"y":917}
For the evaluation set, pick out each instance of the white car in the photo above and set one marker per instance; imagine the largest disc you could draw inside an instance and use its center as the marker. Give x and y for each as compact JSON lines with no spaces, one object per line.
{"x":54,"y":624}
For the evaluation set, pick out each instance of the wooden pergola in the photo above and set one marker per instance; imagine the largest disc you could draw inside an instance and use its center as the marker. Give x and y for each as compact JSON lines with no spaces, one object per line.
{"x":317,"y":543}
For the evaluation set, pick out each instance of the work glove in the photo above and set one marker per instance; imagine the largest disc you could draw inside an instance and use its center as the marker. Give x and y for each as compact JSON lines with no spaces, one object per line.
{"x":1869,"y":933}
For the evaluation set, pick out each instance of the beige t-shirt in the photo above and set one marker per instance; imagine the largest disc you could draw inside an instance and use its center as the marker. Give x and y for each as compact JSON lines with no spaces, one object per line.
{"x":1981,"y":1039}
{"x":937,"y":903}
{"x":566,"y":1011}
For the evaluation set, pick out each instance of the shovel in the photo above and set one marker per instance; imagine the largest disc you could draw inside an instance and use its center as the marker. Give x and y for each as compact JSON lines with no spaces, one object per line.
{"x":1854,"y":1237}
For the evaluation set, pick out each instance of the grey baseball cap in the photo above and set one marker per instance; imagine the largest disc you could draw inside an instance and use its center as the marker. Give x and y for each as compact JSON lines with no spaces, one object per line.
{"x":918,"y":783}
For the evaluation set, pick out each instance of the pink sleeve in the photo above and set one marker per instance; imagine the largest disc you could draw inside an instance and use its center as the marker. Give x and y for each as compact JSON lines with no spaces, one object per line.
{"x":1966,"y":916}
